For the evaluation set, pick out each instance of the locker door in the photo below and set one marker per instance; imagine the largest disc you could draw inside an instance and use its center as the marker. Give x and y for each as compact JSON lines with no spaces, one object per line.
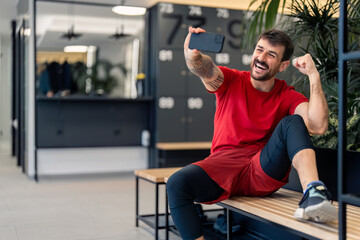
{"x":172,"y":25}
{"x":174,"y":21}
{"x":171,"y":119}
{"x":200,"y":118}
{"x":235,"y":60}
{"x":171,"y":73}
{"x":195,"y":86}
{"x":216,"y":20}
{"x":234,"y":32}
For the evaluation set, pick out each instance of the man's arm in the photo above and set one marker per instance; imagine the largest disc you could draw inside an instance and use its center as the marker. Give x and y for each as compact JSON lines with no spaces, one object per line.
{"x":315,"y":113}
{"x":202,"y":65}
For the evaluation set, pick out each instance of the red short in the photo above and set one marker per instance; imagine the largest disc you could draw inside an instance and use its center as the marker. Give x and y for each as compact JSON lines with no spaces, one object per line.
{"x":238,"y":172}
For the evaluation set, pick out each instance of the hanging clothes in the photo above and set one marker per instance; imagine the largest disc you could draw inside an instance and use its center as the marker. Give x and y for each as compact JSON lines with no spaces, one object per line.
{"x":44,"y":82}
{"x":68,"y":83}
{"x":55,"y":73}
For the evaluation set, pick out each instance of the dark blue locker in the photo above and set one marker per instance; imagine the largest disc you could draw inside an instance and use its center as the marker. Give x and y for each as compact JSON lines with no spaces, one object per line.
{"x":200,"y":117}
{"x":172,"y":25}
{"x":171,"y":119}
{"x":172,"y":73}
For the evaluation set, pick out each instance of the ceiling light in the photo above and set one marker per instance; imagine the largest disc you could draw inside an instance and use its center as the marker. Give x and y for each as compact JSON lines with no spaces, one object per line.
{"x":126,"y":10}
{"x":76,"y":48}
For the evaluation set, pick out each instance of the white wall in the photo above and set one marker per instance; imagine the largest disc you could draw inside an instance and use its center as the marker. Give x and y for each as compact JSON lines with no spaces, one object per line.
{"x":91,"y":160}
{"x":5,"y":91}
{"x":30,"y":97}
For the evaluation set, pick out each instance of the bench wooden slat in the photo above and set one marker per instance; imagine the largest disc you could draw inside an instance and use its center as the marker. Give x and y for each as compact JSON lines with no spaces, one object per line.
{"x":183,"y":145}
{"x":156,"y":175}
{"x":280,"y":207}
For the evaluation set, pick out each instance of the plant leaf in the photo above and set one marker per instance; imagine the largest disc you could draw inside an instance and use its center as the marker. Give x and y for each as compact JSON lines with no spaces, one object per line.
{"x":271,"y":13}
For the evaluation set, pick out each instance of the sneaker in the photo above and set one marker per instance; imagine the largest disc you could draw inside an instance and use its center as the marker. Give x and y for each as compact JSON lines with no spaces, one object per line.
{"x":315,"y":205}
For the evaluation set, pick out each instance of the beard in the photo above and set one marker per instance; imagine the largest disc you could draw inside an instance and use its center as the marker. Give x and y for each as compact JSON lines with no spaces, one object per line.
{"x":270,"y":73}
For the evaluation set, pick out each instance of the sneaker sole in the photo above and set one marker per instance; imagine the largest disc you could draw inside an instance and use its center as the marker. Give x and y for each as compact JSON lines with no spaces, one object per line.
{"x":322,"y":212}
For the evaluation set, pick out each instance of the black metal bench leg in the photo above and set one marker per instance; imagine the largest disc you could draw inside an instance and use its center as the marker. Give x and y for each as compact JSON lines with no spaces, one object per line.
{"x":157,"y":212}
{"x":166,"y":216}
{"x":137,"y":201}
{"x":229,"y":224}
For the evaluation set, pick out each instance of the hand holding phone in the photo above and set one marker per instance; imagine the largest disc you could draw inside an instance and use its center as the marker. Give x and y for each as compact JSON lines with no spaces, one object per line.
{"x":208,"y":42}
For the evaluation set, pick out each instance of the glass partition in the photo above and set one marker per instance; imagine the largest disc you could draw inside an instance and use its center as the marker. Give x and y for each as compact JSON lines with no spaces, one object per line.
{"x":87,"y":50}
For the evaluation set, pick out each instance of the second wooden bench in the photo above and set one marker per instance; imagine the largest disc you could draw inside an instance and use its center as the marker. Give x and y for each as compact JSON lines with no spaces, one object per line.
{"x":278,"y":209}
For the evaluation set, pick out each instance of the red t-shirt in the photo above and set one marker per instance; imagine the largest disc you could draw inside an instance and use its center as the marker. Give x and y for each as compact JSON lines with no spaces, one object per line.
{"x":245,"y":116}
{"x":245,"y":119}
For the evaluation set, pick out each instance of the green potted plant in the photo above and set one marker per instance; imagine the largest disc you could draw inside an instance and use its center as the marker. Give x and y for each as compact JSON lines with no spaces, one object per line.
{"x":95,"y":80}
{"x":314,"y":29}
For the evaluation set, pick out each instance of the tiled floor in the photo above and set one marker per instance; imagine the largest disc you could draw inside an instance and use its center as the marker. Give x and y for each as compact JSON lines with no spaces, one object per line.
{"x":71,"y":208}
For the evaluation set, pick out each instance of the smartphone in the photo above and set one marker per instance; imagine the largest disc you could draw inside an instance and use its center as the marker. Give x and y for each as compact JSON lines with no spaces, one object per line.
{"x":208,"y":42}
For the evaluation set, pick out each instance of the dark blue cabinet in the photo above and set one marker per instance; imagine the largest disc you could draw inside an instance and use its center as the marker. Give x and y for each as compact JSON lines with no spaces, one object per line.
{"x":91,"y":122}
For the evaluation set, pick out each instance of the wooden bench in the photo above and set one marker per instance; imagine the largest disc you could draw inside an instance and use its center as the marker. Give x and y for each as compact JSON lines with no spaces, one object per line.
{"x":157,"y":177}
{"x":183,"y":145}
{"x":278,"y":209}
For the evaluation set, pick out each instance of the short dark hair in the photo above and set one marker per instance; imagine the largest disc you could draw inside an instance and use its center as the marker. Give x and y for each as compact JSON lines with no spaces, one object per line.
{"x":276,"y":37}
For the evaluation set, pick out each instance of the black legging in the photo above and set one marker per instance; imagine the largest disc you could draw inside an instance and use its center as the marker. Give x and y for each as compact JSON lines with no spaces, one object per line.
{"x":192,"y":184}
{"x":289,"y":137}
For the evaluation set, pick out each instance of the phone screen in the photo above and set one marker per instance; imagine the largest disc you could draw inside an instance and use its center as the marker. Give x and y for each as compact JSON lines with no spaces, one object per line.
{"x":208,"y":42}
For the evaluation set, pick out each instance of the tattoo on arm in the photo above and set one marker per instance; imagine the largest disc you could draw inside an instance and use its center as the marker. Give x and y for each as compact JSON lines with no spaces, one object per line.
{"x":216,"y":83}
{"x":204,"y":67}
{"x":201,"y":66}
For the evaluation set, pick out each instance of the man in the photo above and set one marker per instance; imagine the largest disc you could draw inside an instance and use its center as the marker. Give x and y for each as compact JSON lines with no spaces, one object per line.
{"x":261,"y":127}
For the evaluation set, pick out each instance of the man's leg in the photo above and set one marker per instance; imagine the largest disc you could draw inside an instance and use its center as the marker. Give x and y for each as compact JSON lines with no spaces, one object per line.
{"x":291,"y":143}
{"x":304,"y":162}
{"x":188,"y":185}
